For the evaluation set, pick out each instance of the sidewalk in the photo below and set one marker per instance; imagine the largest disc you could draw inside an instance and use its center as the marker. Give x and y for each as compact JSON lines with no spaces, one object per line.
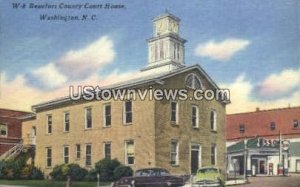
{"x":235,"y":182}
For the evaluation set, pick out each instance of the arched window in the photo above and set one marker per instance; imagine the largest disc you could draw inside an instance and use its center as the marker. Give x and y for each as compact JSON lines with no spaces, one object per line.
{"x":193,"y":81}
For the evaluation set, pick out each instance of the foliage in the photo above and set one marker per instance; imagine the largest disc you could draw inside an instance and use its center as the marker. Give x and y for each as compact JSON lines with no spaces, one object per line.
{"x":31,"y":172}
{"x":18,"y":169}
{"x":91,"y":175}
{"x":106,"y":167}
{"x":61,"y":172}
{"x":36,"y":173}
{"x":122,"y":171}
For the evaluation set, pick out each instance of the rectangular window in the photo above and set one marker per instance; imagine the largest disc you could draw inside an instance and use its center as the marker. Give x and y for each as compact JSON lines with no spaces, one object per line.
{"x":272,"y":126}
{"x":3,"y":129}
{"x":129,"y":152}
{"x":66,"y":154}
{"x":174,"y":110}
{"x":88,"y":154}
{"x":213,"y":120}
{"x":78,"y":151}
{"x":242,"y":128}
{"x":195,"y":116}
{"x":107,"y":150}
{"x":128,"y":112}
{"x":48,"y":157}
{"x":107,"y":115}
{"x":88,"y":118}
{"x":66,"y":122}
{"x":213,"y":154}
{"x":174,"y":152}
{"x":296,"y":123}
{"x":49,"y":124}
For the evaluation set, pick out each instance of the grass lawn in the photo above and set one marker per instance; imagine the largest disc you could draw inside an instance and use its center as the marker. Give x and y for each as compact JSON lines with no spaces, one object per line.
{"x":48,"y":183}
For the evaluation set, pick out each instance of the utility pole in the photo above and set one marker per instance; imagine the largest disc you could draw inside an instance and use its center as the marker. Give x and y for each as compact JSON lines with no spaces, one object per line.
{"x":245,"y":158}
{"x":280,"y":154}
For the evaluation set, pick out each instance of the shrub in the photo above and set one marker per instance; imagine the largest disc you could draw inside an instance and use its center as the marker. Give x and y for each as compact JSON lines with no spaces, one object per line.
{"x":36,"y":173}
{"x":3,"y":166}
{"x":56,"y":173}
{"x":61,"y":172}
{"x":122,"y":171}
{"x":91,"y":175}
{"x":76,"y":172}
{"x":31,"y":172}
{"x":106,"y":167}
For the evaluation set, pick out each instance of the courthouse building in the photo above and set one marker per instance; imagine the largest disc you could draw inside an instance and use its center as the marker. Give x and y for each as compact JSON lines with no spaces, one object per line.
{"x":179,"y":135}
{"x":263,"y":130}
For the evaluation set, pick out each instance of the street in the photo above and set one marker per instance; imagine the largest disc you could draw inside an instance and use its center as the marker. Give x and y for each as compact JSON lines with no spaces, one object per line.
{"x":291,"y":181}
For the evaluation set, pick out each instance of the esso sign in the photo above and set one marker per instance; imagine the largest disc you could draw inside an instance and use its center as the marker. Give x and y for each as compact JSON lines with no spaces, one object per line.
{"x":285,"y":145}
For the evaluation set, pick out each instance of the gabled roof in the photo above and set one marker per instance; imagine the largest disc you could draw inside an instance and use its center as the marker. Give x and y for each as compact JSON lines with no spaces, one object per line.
{"x":133,"y":83}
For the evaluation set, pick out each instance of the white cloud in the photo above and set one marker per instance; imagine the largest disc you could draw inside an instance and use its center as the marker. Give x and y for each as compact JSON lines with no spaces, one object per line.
{"x":280,"y":83}
{"x":221,"y":51}
{"x":75,"y":65}
{"x":243,"y":99}
{"x":49,"y":75}
{"x":83,"y":62}
{"x":13,"y":92}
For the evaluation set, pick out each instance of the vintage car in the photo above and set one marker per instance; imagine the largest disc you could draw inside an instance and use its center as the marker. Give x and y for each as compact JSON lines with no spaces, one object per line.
{"x":157,"y":177}
{"x":208,"y":176}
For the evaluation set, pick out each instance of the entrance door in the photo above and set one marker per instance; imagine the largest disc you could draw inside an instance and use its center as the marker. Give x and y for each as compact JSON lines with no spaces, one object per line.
{"x":195,"y":158}
{"x":297,"y":165}
{"x":262,"y":166}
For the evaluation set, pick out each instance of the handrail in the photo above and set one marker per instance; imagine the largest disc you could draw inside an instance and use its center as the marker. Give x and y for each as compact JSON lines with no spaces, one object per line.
{"x":15,"y":150}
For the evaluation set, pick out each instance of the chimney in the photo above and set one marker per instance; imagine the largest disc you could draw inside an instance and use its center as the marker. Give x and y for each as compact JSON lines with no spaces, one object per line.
{"x":257,"y":109}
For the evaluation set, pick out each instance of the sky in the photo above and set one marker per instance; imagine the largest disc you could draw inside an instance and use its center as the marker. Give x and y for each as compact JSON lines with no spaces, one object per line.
{"x":250,"y":47}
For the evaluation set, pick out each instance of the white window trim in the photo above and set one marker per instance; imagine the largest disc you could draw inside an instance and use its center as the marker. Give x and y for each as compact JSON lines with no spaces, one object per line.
{"x":104,"y":116}
{"x":177,"y":152}
{"x":177,"y":113}
{"x":195,"y":76}
{"x":85,"y":118}
{"x":104,"y":143}
{"x":126,"y":158}
{"x":197,"y":116}
{"x":215,"y":151}
{"x":64,"y":154}
{"x":64,"y":122}
{"x":47,"y":148}
{"x":47,"y":124}
{"x":6,"y":127}
{"x":214,"y":120}
{"x":88,"y":144}
{"x":199,"y":156}
{"x":76,"y":146}
{"x":124,"y":113}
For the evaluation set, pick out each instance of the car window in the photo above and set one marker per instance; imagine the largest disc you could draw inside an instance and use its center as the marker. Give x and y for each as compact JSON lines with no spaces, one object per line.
{"x":151,"y":172}
{"x":164,"y":173}
{"x":208,"y":170}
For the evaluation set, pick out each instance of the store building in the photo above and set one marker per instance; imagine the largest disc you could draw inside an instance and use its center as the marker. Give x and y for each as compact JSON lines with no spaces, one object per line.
{"x":253,"y":142}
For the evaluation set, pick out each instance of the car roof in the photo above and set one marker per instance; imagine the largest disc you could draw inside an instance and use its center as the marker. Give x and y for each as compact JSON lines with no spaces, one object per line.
{"x":152,"y":169}
{"x":206,"y":167}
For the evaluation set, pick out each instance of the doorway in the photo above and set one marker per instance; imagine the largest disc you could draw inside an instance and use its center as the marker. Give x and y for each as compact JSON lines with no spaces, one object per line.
{"x":195,"y":157}
{"x":262,"y":166}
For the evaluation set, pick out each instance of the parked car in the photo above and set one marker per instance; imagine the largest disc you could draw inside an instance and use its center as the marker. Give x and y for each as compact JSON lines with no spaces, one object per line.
{"x":157,"y":177}
{"x":208,"y":176}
